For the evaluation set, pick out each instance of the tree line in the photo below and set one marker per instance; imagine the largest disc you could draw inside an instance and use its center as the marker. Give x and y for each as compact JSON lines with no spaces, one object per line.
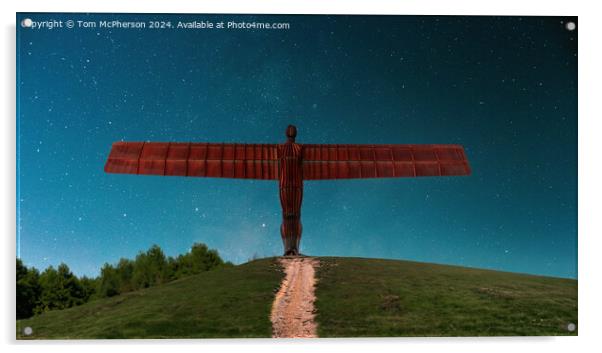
{"x":59,"y":288}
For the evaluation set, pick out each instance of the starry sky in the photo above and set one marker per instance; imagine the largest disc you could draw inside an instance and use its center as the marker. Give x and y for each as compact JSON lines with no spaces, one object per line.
{"x":503,"y":87}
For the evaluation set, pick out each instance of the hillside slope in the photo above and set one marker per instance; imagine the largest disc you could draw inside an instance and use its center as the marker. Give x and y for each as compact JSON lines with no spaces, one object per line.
{"x":226,"y":302}
{"x":374,"y":297}
{"x":355,"y":297}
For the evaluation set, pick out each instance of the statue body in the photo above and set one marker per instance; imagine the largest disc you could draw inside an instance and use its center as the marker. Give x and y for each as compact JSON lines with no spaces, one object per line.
{"x":291,"y":192}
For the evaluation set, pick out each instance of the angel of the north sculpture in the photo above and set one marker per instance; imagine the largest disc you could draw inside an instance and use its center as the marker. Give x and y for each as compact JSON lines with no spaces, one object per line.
{"x":290,"y":163}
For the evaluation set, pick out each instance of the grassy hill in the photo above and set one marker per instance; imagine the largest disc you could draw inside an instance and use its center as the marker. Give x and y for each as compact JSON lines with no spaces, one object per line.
{"x":356,"y":297}
{"x":225,"y":302}
{"x":373,"y":297}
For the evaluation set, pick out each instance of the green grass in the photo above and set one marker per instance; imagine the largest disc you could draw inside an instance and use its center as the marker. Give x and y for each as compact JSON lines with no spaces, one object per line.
{"x":355,"y":298}
{"x":372,"y":297}
{"x":226,"y":302}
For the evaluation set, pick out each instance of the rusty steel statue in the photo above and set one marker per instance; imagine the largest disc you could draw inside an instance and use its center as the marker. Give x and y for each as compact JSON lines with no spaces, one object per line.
{"x":290,"y":163}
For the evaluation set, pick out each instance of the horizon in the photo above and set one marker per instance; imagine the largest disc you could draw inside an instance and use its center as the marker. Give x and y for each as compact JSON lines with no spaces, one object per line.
{"x":114,"y":263}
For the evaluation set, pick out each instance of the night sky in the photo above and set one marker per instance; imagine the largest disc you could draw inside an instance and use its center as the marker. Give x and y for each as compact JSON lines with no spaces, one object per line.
{"x":503,"y":87}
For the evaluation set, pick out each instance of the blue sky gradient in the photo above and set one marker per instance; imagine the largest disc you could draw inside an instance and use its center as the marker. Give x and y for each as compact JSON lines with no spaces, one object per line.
{"x":504,"y":87}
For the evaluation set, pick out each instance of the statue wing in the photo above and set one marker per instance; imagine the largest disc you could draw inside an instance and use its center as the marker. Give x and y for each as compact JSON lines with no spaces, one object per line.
{"x":382,"y":161}
{"x":220,"y":160}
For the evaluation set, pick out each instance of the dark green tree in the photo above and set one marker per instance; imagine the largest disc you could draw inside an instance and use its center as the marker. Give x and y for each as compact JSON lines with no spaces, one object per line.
{"x":125,"y":272}
{"x":108,"y":283}
{"x":89,"y":287}
{"x":60,"y":289}
{"x":74,"y":293}
{"x":49,"y":297}
{"x":198,"y":259}
{"x":28,"y":290}
{"x":202,"y":259}
{"x":173,"y":268}
{"x":150,"y":268}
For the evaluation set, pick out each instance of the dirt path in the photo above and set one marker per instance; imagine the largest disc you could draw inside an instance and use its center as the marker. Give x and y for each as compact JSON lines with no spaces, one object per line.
{"x":293,"y":308}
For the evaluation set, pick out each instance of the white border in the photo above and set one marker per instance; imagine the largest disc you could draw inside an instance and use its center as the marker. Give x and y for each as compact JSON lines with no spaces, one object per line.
{"x":590,"y":230}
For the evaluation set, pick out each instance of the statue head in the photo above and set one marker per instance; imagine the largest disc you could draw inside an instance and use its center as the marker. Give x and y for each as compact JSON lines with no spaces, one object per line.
{"x":291,"y":133}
